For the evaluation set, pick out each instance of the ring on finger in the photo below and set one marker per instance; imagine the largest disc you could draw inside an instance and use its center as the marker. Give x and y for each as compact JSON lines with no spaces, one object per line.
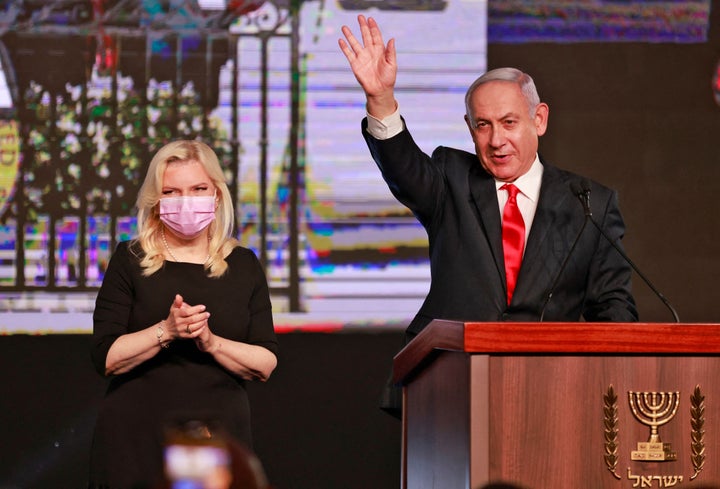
{"x":188,"y":329}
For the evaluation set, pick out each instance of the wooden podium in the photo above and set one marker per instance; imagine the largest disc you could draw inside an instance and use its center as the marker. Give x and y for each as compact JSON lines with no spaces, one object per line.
{"x":548,"y":405}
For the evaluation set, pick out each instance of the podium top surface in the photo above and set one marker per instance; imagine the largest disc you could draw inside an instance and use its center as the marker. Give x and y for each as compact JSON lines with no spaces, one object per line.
{"x":557,"y":338}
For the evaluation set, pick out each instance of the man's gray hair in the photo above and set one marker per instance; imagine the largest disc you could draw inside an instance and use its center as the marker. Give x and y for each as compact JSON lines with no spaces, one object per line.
{"x":523,"y":80}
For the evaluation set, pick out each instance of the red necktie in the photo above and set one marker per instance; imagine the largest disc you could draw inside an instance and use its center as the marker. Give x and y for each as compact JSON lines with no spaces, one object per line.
{"x":513,"y":236}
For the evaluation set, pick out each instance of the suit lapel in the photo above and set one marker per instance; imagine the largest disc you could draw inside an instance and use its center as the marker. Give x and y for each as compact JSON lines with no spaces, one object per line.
{"x":484,"y":196}
{"x":554,"y":195}
{"x":536,"y":271}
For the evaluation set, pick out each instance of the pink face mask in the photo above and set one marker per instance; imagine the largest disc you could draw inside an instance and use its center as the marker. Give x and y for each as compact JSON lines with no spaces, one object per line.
{"x":188,"y":215}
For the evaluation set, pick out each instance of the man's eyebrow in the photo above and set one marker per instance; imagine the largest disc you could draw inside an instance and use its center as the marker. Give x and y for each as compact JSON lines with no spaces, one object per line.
{"x":502,"y":117}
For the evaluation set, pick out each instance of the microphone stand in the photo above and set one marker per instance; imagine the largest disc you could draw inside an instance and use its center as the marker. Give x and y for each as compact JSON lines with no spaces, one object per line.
{"x":562,"y":268}
{"x":584,"y":196}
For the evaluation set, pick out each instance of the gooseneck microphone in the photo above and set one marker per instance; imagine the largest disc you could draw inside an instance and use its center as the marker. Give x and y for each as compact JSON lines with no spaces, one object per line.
{"x":583,"y":193}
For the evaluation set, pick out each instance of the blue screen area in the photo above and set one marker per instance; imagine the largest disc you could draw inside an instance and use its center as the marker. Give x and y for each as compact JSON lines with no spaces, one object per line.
{"x":673,"y":21}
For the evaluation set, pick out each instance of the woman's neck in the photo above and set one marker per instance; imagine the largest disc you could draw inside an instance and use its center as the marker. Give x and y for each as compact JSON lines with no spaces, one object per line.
{"x":194,"y":250}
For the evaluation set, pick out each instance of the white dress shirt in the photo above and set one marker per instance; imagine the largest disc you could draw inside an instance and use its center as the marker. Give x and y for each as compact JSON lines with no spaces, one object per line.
{"x":527,"y":198}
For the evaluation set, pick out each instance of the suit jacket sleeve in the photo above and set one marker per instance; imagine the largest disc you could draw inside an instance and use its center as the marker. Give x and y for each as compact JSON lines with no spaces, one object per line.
{"x":409,"y":173}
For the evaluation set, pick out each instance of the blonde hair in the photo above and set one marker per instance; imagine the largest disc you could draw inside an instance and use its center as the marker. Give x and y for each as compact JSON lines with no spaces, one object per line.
{"x":149,"y":225}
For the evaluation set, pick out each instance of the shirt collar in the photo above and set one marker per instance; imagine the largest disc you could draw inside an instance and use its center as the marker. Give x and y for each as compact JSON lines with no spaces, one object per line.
{"x":529,"y":182}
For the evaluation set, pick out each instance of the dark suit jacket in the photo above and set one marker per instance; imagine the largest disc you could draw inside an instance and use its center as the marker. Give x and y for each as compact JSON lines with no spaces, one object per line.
{"x":455,"y":199}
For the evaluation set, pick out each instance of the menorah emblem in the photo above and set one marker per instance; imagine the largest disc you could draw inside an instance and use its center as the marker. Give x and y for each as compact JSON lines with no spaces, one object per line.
{"x":654,"y":409}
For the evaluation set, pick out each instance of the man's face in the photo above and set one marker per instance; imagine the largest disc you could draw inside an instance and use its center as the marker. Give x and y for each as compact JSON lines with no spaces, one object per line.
{"x":505,"y":133}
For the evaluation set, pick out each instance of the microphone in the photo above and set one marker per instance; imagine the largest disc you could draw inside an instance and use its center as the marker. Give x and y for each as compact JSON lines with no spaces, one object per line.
{"x":567,"y":258}
{"x":582,"y":190}
{"x":583,"y":193}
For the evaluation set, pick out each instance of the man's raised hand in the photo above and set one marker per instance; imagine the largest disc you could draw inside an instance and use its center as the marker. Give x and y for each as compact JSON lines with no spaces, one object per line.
{"x":374,"y":65}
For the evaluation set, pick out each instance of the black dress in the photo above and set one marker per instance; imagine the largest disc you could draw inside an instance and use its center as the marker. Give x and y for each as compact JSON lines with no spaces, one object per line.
{"x":180,"y":382}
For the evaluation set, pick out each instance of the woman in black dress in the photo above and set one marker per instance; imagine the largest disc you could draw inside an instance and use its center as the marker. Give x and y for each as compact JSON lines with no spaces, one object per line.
{"x":183,"y":319}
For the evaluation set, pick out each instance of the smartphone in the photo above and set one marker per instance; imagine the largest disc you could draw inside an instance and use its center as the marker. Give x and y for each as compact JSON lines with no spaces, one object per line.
{"x":193,"y":462}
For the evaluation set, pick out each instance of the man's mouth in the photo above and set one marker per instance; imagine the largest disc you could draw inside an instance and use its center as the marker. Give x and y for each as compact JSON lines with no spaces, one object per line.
{"x":501,"y":158}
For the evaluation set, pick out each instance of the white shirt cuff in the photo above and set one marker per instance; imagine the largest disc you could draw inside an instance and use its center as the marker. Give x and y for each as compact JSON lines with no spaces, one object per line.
{"x":386,"y":128}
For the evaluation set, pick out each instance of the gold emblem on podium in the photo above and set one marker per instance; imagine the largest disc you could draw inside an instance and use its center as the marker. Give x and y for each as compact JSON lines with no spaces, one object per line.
{"x":654,"y":409}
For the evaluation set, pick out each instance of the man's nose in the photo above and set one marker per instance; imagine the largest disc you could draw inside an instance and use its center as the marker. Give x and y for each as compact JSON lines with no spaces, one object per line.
{"x":497,"y":137}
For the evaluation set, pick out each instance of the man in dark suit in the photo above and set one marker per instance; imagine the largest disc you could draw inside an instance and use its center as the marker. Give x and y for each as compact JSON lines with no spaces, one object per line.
{"x":462,"y":200}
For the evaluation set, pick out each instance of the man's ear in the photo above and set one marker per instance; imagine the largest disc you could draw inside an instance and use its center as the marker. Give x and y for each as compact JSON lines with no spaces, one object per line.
{"x":542,"y":112}
{"x":469,"y":124}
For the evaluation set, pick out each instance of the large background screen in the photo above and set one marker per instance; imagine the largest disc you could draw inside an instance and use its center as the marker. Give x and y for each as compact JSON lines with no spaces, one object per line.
{"x":74,"y":147}
{"x":363,"y":257}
